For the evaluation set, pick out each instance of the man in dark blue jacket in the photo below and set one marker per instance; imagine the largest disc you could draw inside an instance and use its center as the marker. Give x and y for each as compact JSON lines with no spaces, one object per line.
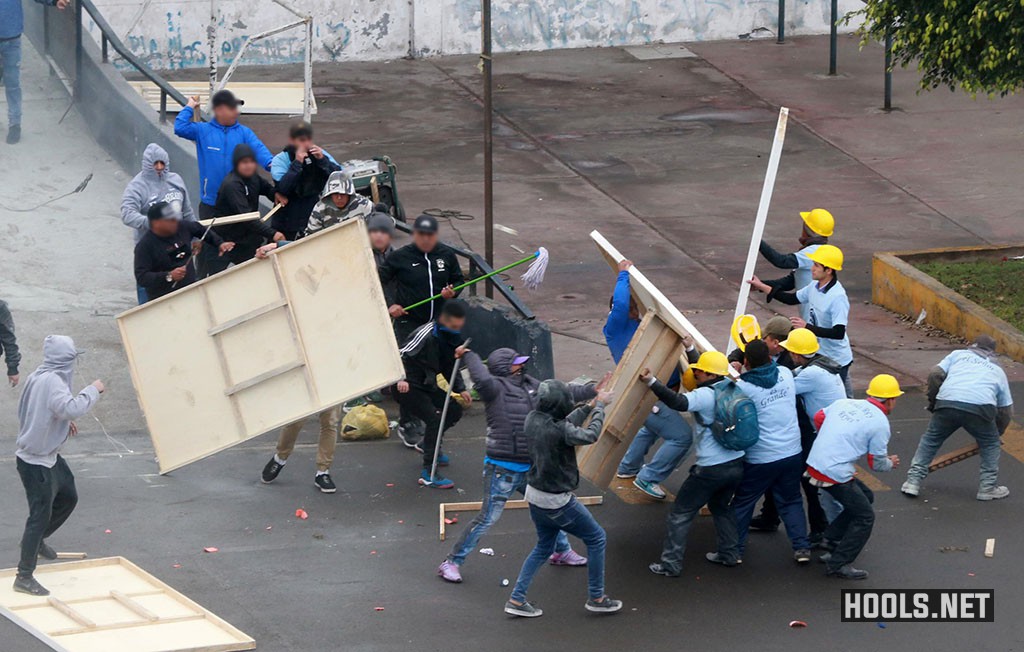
{"x":301,"y":171}
{"x":215,"y":144}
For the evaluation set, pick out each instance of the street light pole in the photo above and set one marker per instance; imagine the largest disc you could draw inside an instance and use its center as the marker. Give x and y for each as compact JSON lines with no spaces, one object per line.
{"x":833,"y":38}
{"x":485,"y":61}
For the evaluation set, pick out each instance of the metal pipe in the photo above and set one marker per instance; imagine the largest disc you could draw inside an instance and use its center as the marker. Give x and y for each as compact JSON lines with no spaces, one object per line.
{"x":211,"y":38}
{"x":485,"y":60}
{"x":103,"y":41}
{"x":79,"y":50}
{"x":307,"y":79}
{"x":888,"y":71}
{"x":833,"y":38}
{"x":163,"y":106}
{"x":252,"y":39}
{"x":782,"y":22}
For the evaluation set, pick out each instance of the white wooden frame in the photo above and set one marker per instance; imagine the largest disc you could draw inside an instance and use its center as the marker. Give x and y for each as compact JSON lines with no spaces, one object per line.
{"x":261,"y":345}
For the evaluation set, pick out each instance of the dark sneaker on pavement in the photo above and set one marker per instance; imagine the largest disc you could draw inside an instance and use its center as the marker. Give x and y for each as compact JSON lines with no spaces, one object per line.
{"x":271,"y":471}
{"x":605,"y":605}
{"x":825,"y":558}
{"x":525,"y":610}
{"x":847,"y":572}
{"x":13,"y":137}
{"x":716,"y":558}
{"x":439,"y":482}
{"x":659,"y":569}
{"x":29,"y":585}
{"x":46,"y":552}
{"x":802,"y":556}
{"x":449,"y":572}
{"x":324,"y":482}
{"x":410,"y":438}
{"x":625,"y":475}
{"x":761,"y":524}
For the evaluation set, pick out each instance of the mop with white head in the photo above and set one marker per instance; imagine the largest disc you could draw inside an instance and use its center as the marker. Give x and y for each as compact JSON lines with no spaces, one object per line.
{"x":534,"y":274}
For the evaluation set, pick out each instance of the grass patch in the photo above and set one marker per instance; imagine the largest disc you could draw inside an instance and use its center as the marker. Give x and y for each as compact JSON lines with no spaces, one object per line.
{"x":994,"y":285}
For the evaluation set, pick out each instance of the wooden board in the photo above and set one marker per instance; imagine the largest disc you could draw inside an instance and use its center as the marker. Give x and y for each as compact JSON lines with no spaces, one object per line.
{"x":260,"y":97}
{"x":102,"y":605}
{"x":261,"y":345}
{"x":232,"y":219}
{"x":475,"y":505}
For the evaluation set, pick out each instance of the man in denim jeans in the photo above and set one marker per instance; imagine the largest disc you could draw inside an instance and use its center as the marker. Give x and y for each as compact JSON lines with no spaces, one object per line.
{"x":509,"y":394}
{"x":968,"y":390}
{"x":554,"y":431}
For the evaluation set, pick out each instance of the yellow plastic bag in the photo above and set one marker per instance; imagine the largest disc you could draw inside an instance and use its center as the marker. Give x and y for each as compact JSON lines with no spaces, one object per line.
{"x":365,"y":422}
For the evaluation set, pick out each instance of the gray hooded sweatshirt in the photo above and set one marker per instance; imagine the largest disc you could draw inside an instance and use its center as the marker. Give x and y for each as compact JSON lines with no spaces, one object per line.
{"x":149,"y":187}
{"x":47,"y":405}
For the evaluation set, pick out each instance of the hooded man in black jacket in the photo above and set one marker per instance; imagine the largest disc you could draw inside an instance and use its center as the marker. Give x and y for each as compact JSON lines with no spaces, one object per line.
{"x":240,"y":193}
{"x":301,"y":172}
{"x":430,"y":352}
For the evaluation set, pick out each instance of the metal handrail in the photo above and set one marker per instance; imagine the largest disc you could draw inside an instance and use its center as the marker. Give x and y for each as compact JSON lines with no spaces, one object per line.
{"x":109,"y":37}
{"x":477,"y":263}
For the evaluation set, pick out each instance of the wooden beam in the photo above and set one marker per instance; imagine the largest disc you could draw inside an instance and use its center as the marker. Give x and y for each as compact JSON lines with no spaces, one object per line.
{"x":444,"y":508}
{"x":70,"y":612}
{"x":71,"y":555}
{"x":953,"y":457}
{"x":252,"y":314}
{"x":265,"y":376}
{"x":231,"y":219}
{"x":134,"y":607}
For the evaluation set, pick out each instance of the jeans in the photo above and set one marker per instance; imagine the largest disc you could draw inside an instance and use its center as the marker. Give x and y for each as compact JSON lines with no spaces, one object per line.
{"x":329,"y":421}
{"x":852,"y":528}
{"x":829,"y":505}
{"x":677,"y":434}
{"x":141,"y":293}
{"x":713,"y":486}
{"x":575,"y":519}
{"x":782,"y":477}
{"x":844,"y":373}
{"x":52,"y":497}
{"x":499,"y":485}
{"x":10,"y":58}
{"x":947,"y":420}
{"x":817,"y":517}
{"x":427,"y":406}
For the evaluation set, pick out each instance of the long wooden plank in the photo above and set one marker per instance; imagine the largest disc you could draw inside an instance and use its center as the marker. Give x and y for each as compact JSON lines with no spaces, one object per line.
{"x":953,"y":457}
{"x":134,"y":606}
{"x":70,"y":612}
{"x":231,"y":219}
{"x":444,"y":508}
{"x":762,"y":214}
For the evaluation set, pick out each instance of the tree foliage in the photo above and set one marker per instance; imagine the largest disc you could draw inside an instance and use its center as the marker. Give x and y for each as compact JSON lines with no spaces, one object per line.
{"x":977,"y":45}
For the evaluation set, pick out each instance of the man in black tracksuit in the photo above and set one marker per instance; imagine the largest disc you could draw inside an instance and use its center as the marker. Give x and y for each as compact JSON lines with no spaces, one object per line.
{"x":301,"y":172}
{"x":415,"y":272}
{"x":429,"y":352}
{"x":240,"y":193}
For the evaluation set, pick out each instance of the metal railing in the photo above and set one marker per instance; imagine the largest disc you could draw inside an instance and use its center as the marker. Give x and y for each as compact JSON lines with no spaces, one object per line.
{"x":478,"y":267}
{"x":109,"y":39}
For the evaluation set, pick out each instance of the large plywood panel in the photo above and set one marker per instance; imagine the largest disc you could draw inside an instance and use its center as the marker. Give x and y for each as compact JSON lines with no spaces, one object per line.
{"x":261,"y":345}
{"x":102,"y":605}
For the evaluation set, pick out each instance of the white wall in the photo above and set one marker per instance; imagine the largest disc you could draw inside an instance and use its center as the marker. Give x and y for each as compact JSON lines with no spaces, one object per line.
{"x":172,"y":33}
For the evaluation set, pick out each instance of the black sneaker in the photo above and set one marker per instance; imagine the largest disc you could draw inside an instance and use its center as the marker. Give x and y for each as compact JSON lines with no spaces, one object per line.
{"x":722,"y":560}
{"x":46,"y":552}
{"x":847,"y":572}
{"x":407,"y":433}
{"x":13,"y":137}
{"x":659,"y":568}
{"x":605,"y":605}
{"x":802,"y":556}
{"x":761,"y":524}
{"x":271,"y":470}
{"x":324,"y":482}
{"x":525,"y":610}
{"x":28,"y":584}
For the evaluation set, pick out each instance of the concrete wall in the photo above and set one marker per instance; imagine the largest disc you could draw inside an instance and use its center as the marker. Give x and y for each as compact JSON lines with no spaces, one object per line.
{"x":493,"y":325}
{"x":172,"y":34}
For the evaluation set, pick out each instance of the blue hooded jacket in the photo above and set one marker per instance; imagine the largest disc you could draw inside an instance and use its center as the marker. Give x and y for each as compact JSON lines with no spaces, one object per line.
{"x":12,"y":17}
{"x":215,"y":145}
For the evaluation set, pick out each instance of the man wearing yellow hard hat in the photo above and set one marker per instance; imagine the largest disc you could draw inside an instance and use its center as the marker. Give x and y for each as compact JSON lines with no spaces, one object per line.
{"x":825,"y":305}
{"x":848,"y":430}
{"x":818,"y":226}
{"x":713,"y":478}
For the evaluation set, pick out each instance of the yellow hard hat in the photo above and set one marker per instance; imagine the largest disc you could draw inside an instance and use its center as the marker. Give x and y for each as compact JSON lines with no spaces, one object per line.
{"x":689,"y":381}
{"x":800,"y":341}
{"x":713,"y":362}
{"x":745,"y":329}
{"x":829,"y":256}
{"x":884,"y":386}
{"x":819,"y":221}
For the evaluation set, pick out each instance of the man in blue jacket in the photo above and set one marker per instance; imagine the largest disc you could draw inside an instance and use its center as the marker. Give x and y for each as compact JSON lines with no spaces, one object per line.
{"x":215,"y":144}
{"x":12,"y":22}
{"x":300,"y":171}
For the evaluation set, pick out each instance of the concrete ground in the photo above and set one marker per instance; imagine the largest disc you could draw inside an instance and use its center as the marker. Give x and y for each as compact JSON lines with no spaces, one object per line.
{"x":666,"y":158}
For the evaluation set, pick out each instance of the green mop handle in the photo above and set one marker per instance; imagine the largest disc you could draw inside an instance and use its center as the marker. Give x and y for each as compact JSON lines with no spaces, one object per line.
{"x":476,"y":280}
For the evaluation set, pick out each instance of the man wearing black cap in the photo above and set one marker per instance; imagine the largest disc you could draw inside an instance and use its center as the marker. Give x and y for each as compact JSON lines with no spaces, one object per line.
{"x":300,"y":171}
{"x":215,"y":143}
{"x":418,"y":271}
{"x":163,"y":255}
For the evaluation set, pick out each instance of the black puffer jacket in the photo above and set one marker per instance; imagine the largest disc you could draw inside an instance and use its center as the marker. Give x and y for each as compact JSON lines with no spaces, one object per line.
{"x":553,"y":432}
{"x":508,"y":399}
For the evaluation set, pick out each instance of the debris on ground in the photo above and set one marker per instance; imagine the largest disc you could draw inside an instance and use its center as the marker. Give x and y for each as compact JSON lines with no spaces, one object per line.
{"x":106,"y":531}
{"x":504,"y":582}
{"x":953,"y":548}
{"x":452,"y":520}
{"x":318,"y":536}
{"x":301,"y":513}
{"x":176,"y":566}
{"x":210,"y":549}
{"x":881,"y":625}
{"x":990,"y":548}
{"x":390,"y":484}
{"x":487,"y":551}
{"x":378,"y":608}
{"x":797,"y":623}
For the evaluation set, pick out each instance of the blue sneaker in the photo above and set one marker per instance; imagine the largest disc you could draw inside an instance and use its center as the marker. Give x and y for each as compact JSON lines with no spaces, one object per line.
{"x":440,"y":482}
{"x":442,"y":460}
{"x":652,"y":489}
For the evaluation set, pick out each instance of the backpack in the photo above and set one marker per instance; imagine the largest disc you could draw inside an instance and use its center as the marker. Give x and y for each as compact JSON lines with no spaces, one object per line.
{"x":735,"y":426}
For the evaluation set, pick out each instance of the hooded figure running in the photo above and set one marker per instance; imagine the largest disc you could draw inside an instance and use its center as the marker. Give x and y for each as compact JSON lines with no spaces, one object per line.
{"x":46,"y":412}
{"x":553,"y":431}
{"x":509,"y":394}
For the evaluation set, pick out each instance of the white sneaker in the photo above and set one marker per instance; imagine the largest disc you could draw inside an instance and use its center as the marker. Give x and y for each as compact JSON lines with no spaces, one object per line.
{"x":911,"y":488}
{"x":993,"y":493}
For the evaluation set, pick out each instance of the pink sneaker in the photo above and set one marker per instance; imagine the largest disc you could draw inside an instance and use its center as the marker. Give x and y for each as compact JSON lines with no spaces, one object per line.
{"x":567,"y":558}
{"x":449,"y":572}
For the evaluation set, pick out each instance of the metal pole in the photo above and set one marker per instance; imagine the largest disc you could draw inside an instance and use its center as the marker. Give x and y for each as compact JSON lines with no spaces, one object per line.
{"x":444,"y":413}
{"x":307,"y":80}
{"x":782,"y":22}
{"x":211,"y":36}
{"x":79,"y":50}
{"x":888,"y":71}
{"x":833,"y":38}
{"x":485,"y":60}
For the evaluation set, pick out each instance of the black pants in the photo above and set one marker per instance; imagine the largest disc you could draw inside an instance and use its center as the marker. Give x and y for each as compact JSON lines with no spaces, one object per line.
{"x":713,"y":486}
{"x":403,"y":329}
{"x":427,"y":405}
{"x":852,"y":528}
{"x":816,"y":519}
{"x":51,"y":497}
{"x":205,"y":211}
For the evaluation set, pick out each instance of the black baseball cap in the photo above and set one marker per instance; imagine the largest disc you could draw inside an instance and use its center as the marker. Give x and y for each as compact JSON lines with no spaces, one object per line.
{"x":425,"y":224}
{"x":299,"y":129}
{"x":225,"y":98}
{"x":162,"y":210}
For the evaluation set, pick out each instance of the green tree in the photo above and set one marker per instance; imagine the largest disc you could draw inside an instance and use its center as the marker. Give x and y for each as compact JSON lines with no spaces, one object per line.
{"x":977,"y":45}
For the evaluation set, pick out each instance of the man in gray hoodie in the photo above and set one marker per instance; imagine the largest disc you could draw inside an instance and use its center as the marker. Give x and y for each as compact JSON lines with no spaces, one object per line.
{"x":46,"y":412}
{"x":154,"y":183}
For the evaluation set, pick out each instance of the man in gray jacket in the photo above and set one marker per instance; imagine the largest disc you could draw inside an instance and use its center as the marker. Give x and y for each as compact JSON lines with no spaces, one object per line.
{"x":46,"y":412}
{"x":153,"y":184}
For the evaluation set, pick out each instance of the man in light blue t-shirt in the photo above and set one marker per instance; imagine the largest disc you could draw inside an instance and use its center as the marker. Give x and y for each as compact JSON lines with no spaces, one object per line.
{"x":968,"y":390}
{"x":818,"y":225}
